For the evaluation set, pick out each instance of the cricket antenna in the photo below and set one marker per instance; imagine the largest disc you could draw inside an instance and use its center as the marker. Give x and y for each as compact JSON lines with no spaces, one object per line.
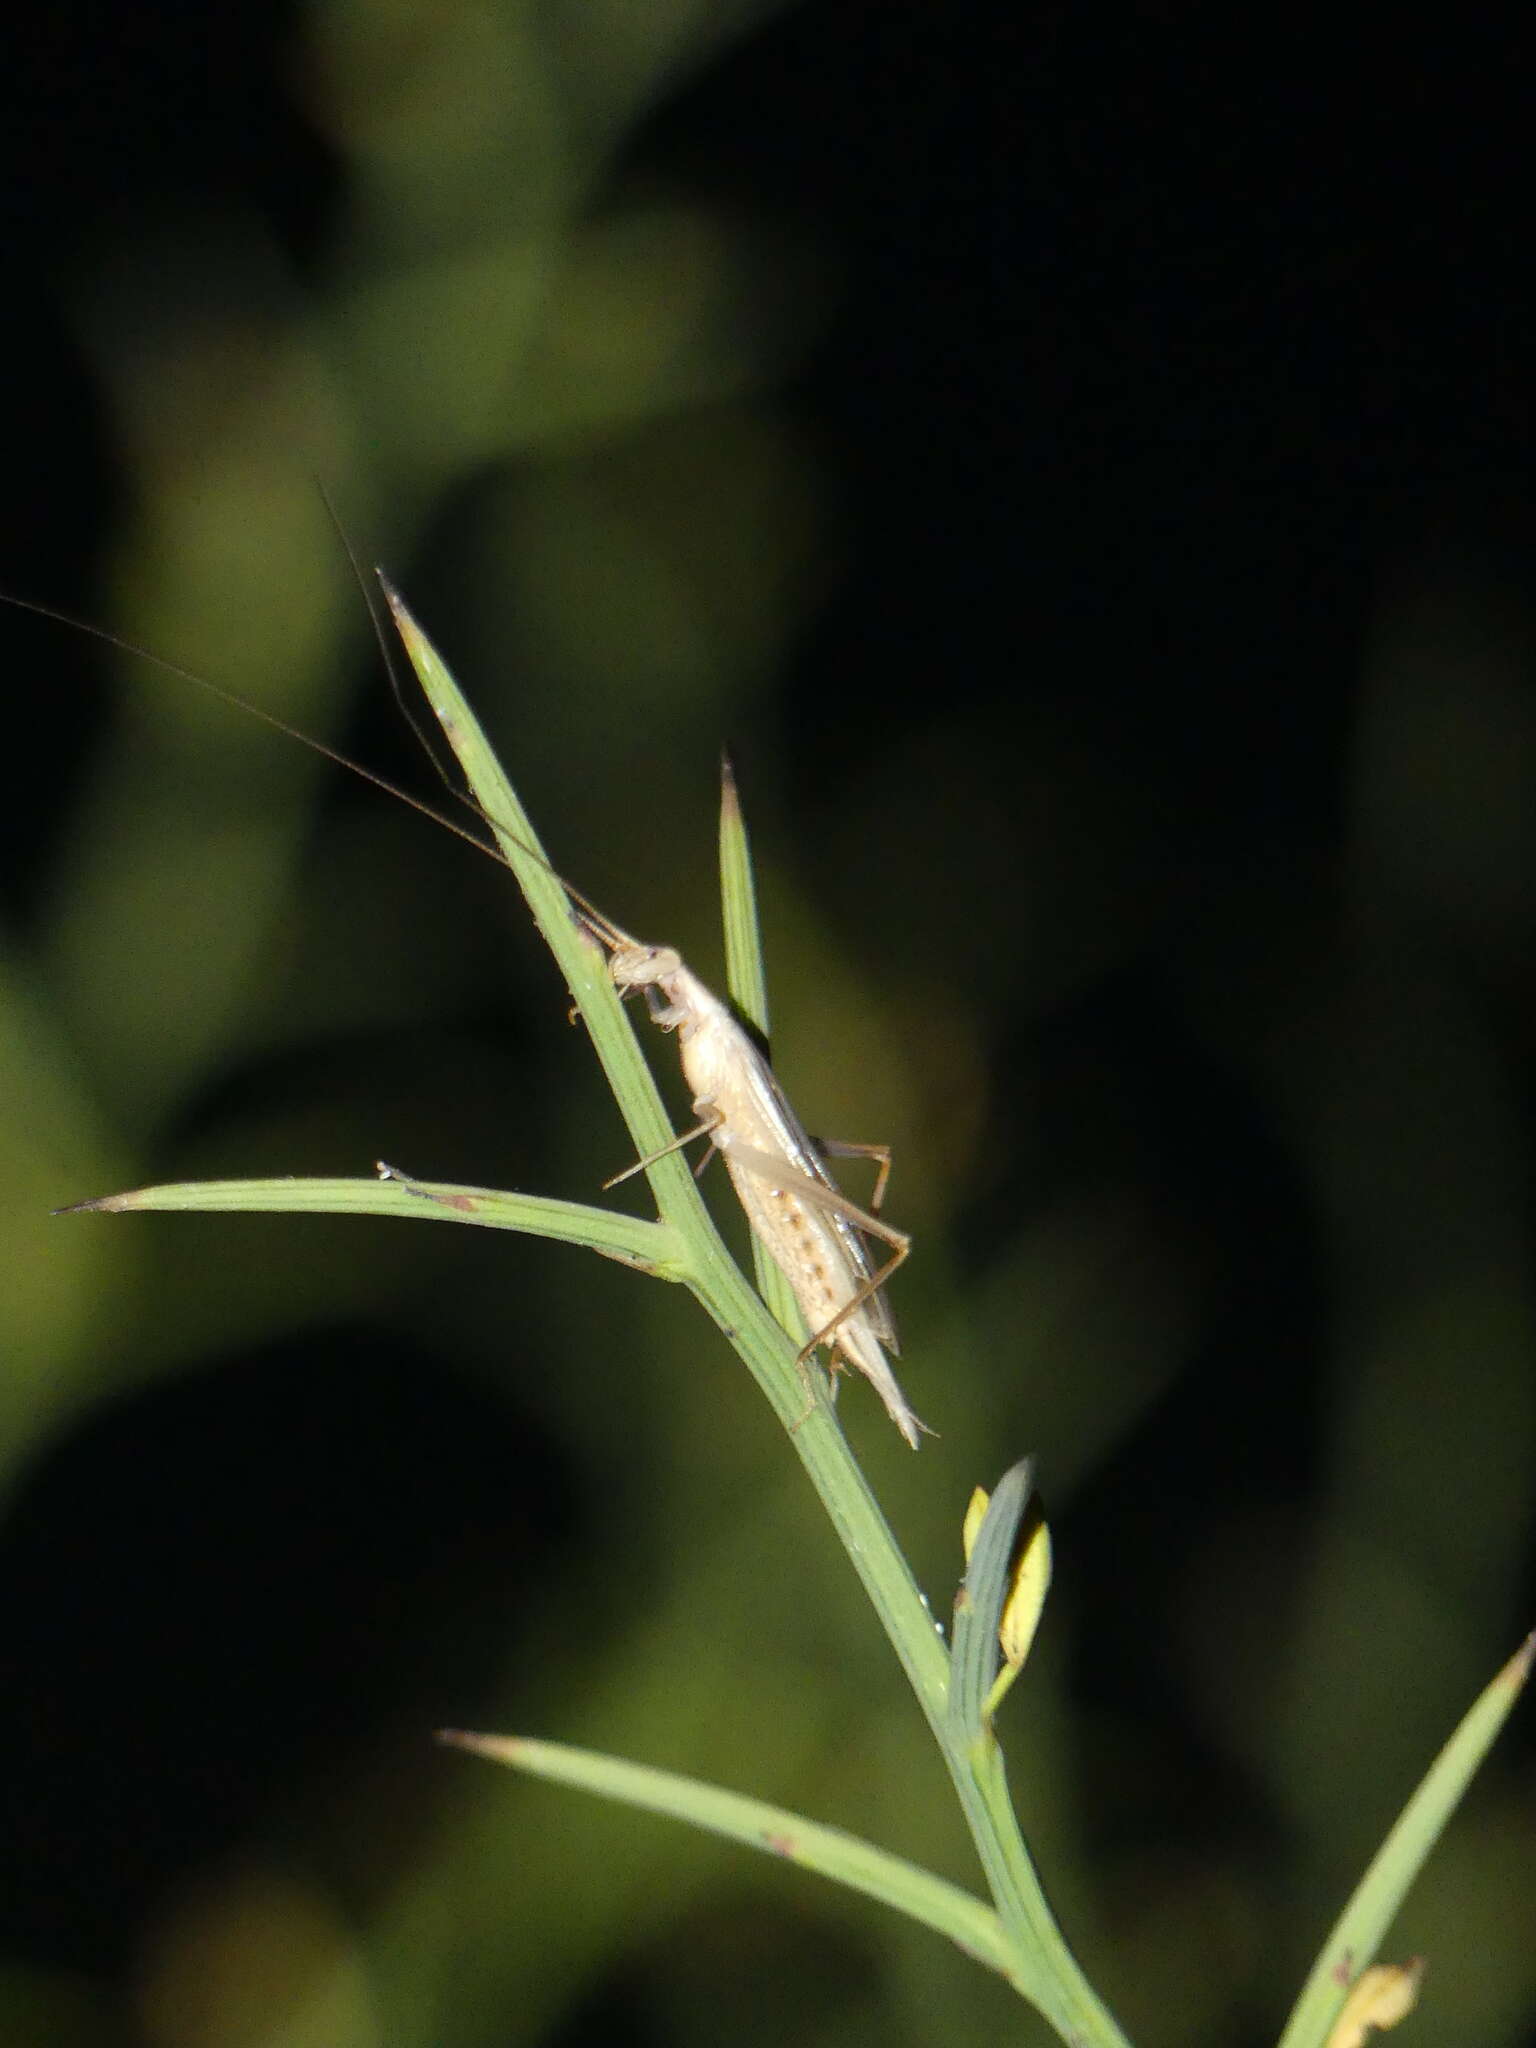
{"x":602,"y":927}
{"x":123,"y":645}
{"x":388,"y":655}
{"x":597,"y":922}
{"x":610,"y":934}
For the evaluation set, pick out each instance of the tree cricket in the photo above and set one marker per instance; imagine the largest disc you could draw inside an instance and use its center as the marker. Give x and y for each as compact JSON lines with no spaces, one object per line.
{"x":811,"y":1231}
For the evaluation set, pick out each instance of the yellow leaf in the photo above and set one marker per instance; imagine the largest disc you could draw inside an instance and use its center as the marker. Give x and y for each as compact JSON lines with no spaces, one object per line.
{"x":1378,"y":1998}
{"x":1026,"y":1596}
{"x":974,"y":1514}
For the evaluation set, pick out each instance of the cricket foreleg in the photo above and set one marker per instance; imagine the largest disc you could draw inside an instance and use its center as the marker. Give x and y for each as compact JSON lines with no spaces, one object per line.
{"x":667,"y":1015}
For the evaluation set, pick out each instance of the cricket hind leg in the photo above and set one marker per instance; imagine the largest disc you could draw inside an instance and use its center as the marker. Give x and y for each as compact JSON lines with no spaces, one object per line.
{"x":866,"y":1293}
{"x":845,"y":1148}
{"x":812,"y":1191}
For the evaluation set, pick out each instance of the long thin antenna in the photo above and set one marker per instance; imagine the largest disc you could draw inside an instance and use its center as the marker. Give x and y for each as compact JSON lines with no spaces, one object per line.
{"x":603,"y":927}
{"x":611,"y":933}
{"x":388,"y":655}
{"x":251,"y":710}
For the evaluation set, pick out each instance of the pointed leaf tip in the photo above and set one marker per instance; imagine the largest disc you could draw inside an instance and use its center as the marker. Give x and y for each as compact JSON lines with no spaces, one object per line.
{"x":501,"y":1749}
{"x":102,"y":1203}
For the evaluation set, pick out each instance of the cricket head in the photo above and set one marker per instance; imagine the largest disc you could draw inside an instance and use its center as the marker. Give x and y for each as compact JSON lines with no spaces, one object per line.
{"x":643,"y":966}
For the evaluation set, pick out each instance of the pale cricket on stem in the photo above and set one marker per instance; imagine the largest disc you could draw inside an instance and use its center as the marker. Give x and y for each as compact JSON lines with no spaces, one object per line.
{"x":811,"y":1231}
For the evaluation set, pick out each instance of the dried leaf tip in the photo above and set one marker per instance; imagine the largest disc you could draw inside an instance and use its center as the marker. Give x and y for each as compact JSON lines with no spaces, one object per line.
{"x":100,"y":1203}
{"x":400,"y":612}
{"x":501,"y":1749}
{"x":1378,"y":1999}
{"x":730,"y":802}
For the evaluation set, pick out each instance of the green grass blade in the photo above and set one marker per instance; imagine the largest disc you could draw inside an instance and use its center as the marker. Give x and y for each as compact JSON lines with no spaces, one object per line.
{"x":775,"y":1830}
{"x":652,"y":1247}
{"x":1361,"y":1927}
{"x":745,"y":974}
{"x":581,"y":959}
{"x":746,"y":980}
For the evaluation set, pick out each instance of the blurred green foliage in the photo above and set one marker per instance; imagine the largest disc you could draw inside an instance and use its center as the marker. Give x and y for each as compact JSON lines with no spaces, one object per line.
{"x":568,"y":371}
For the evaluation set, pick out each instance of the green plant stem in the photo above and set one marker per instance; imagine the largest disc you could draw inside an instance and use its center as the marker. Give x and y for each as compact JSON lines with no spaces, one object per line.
{"x":1046,"y":1970}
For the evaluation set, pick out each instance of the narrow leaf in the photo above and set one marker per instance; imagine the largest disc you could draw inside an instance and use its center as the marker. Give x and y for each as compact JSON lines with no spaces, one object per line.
{"x":1362,"y":1926}
{"x":652,"y":1247}
{"x":744,"y":971}
{"x":746,"y":980}
{"x":581,"y":958}
{"x":777,"y":1831}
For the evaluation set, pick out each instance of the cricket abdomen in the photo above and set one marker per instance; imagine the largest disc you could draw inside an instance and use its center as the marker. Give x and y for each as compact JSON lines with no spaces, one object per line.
{"x":807,"y":1250}
{"x":757,"y":1135}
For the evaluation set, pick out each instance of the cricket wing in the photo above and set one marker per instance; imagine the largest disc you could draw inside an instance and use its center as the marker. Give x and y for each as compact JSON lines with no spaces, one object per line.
{"x":776,"y":1110}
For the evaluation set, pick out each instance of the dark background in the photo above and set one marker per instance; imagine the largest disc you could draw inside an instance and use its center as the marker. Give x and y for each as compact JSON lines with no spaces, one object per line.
{"x":1082,"y":469}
